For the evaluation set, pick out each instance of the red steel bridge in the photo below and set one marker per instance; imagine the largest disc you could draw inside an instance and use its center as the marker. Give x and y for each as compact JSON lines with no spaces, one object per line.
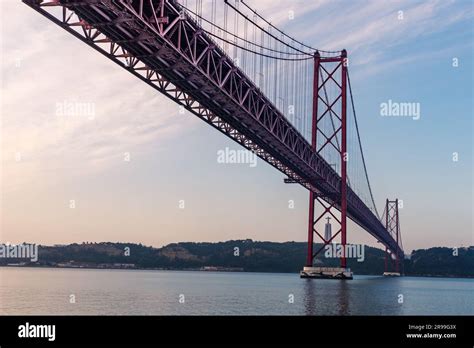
{"x":289,"y":103}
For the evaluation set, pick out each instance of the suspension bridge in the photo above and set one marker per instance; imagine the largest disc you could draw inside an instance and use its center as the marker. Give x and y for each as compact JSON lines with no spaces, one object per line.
{"x":289,"y":103}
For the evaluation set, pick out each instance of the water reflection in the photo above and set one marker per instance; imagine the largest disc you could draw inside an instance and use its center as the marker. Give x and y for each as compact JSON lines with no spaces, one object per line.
{"x":342,"y":296}
{"x":309,"y":297}
{"x":326,"y":297}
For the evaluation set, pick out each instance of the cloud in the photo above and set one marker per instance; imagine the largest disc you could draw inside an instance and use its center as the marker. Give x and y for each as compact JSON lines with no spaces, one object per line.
{"x":66,"y":109}
{"x":374,"y":32}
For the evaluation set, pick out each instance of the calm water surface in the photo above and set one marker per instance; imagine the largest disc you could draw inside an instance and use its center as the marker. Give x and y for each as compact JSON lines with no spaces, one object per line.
{"x":120,"y":292}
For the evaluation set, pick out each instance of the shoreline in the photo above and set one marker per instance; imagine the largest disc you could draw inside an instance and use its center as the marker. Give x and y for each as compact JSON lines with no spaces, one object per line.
{"x":214,"y":271}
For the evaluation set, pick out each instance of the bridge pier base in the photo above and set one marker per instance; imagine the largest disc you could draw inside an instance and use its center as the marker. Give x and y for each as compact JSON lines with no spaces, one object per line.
{"x":326,"y":273}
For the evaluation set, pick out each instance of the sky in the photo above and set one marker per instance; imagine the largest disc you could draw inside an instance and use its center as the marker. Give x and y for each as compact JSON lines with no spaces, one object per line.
{"x":121,"y":168}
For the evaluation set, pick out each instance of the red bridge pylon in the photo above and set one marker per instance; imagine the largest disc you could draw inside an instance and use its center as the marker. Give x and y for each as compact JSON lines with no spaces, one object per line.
{"x":329,"y":74}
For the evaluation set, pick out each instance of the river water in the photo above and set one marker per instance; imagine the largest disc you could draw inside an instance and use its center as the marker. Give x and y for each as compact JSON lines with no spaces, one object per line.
{"x":26,"y":291}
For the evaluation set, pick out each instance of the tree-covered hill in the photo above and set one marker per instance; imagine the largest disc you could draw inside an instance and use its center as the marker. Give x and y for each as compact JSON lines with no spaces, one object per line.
{"x":245,"y":255}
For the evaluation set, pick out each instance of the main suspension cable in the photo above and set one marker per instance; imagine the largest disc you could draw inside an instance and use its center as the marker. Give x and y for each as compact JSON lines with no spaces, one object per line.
{"x":238,"y":37}
{"x":282,"y":32}
{"x":264,"y":30}
{"x":360,"y":144}
{"x":254,"y":52}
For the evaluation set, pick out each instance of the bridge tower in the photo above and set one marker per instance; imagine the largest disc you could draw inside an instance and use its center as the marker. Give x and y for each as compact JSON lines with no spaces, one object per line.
{"x":329,"y":73}
{"x":392,"y":224}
